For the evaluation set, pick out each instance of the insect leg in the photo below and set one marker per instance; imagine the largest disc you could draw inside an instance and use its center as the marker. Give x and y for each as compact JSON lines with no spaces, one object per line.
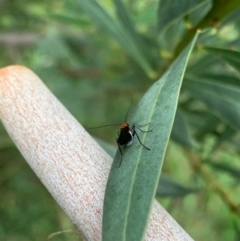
{"x":138,"y":126}
{"x":141,"y":125}
{"x":119,"y":148}
{"x":141,"y":129}
{"x":134,"y":132}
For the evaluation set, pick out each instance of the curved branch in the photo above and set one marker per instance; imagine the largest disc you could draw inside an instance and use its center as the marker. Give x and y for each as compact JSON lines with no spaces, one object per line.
{"x":220,"y":10}
{"x":71,"y":165}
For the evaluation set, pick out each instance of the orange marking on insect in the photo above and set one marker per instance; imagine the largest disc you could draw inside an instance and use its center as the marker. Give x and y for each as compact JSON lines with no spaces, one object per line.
{"x":124,"y":125}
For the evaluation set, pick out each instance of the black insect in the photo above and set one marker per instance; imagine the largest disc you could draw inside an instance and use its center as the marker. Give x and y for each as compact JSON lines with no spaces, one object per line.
{"x":126,"y":134}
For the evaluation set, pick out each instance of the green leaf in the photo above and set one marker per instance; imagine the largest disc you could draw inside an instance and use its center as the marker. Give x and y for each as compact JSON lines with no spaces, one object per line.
{"x":180,"y":131}
{"x":125,"y":19}
{"x":70,"y":19}
{"x":235,"y":172}
{"x":5,"y":141}
{"x":166,"y":186}
{"x":223,"y":100}
{"x":148,"y":17}
{"x":219,"y":11}
{"x":198,"y":14}
{"x":209,"y":123}
{"x":117,"y":31}
{"x":231,"y":57}
{"x":129,"y":28}
{"x":170,"y":11}
{"x":131,"y":188}
{"x":232,"y":18}
{"x":221,"y":78}
{"x":227,"y":134}
{"x":169,"y":188}
{"x":236,"y":227}
{"x":203,"y":63}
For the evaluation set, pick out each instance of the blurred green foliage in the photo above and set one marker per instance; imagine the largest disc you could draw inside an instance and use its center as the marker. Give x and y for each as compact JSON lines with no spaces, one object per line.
{"x":96,"y":57}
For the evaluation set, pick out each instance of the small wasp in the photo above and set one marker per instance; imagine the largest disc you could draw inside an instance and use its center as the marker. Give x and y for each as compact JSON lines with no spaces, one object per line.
{"x":126,"y":134}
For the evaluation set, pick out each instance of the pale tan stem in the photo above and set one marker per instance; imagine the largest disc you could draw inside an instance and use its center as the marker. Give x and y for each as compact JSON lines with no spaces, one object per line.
{"x":64,"y":156}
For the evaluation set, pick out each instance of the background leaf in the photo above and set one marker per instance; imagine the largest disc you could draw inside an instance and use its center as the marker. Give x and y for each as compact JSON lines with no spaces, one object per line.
{"x":169,"y":188}
{"x":222,"y":99}
{"x":222,"y":78}
{"x":230,"y":56}
{"x":115,"y":29}
{"x":225,"y":168}
{"x":180,"y":131}
{"x":171,"y":11}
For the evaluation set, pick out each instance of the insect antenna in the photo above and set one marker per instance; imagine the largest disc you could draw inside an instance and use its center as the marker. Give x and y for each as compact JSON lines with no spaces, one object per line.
{"x":128,"y":111}
{"x":103,"y":126}
{"x":113,"y":124}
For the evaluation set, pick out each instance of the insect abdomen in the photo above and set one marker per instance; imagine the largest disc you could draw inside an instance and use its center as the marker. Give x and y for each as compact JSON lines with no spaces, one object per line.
{"x":125,"y":139}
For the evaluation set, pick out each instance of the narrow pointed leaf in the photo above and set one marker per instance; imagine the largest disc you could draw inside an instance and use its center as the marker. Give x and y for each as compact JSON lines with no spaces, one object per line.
{"x":171,"y":11}
{"x":125,"y":19}
{"x":223,"y":100}
{"x":117,"y":31}
{"x":230,"y":56}
{"x":203,"y":63}
{"x":166,"y":186}
{"x":208,"y":124}
{"x":180,"y":131}
{"x":169,"y":188}
{"x":221,"y":78}
{"x":235,"y":172}
{"x":132,"y":36}
{"x":131,"y":188}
